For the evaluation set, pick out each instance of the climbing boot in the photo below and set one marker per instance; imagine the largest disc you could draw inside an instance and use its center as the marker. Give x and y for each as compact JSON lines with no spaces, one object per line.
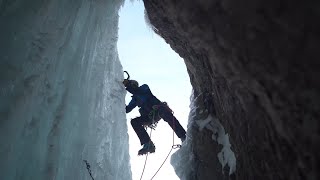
{"x":147,"y":148}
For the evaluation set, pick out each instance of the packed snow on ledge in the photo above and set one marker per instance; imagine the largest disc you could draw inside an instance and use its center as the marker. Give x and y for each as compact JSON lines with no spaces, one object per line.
{"x":183,"y":159}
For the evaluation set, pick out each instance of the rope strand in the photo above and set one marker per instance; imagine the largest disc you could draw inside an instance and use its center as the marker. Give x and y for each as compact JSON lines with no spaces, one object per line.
{"x":162,"y":163}
{"x":174,"y":146}
{"x":145,"y":162}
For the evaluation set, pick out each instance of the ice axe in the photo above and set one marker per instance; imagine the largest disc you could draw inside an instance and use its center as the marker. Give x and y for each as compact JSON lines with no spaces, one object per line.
{"x":126,"y":81}
{"x":127,"y":75}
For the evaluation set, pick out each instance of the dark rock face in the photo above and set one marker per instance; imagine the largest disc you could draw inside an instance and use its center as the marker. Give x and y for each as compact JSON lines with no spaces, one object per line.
{"x":256,"y":62}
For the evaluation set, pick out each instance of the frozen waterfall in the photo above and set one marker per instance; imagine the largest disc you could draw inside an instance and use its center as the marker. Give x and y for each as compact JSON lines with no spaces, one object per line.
{"x":62,"y":100}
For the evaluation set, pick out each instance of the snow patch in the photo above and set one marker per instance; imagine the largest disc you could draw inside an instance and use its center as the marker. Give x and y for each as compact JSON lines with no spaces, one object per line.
{"x":203,"y":123}
{"x":226,"y":156}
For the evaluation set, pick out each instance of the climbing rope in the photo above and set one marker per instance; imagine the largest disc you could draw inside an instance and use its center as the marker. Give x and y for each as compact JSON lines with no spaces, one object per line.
{"x":174,"y":146}
{"x":145,"y":162}
{"x":162,"y":164}
{"x":88,"y":168}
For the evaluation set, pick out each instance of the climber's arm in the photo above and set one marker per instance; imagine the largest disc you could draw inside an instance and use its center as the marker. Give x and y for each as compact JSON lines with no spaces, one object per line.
{"x":132,"y":104}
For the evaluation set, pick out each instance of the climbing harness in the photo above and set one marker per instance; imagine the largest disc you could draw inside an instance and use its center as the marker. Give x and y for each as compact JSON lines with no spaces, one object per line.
{"x":88,"y":168}
{"x":154,"y":115}
{"x":174,"y":146}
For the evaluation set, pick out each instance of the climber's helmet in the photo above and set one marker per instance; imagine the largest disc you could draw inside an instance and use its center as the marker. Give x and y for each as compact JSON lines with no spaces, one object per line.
{"x":131,"y":83}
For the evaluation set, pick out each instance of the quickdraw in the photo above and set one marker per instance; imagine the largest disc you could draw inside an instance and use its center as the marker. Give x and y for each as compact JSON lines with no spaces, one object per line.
{"x":155,"y":116}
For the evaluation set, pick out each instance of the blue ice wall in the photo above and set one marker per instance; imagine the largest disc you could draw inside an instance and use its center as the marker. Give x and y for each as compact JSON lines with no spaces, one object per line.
{"x":62,"y":100}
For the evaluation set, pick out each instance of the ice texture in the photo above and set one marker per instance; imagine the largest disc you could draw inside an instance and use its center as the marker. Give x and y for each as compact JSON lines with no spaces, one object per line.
{"x":62,"y":100}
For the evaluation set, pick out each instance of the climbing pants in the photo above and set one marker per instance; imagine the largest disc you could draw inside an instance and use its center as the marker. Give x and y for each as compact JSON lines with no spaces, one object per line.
{"x":165,"y":113}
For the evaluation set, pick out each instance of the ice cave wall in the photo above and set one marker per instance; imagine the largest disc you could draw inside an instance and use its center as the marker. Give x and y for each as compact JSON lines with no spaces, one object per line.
{"x":255,"y":65}
{"x":59,"y":76}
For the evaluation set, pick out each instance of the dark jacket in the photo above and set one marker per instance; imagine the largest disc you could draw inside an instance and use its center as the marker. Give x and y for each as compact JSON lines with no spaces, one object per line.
{"x":143,"y":98}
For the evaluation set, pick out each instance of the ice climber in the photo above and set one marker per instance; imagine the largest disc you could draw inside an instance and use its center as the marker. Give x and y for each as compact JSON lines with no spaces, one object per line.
{"x":151,"y":110}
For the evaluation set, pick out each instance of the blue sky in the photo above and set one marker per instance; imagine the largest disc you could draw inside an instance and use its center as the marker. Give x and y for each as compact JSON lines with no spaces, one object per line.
{"x":150,"y":60}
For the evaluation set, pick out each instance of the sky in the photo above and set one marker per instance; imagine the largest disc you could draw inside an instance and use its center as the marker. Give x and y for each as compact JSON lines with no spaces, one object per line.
{"x":150,"y":60}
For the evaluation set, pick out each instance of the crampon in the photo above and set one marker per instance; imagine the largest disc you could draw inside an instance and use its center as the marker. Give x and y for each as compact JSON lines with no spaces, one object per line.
{"x":147,"y":148}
